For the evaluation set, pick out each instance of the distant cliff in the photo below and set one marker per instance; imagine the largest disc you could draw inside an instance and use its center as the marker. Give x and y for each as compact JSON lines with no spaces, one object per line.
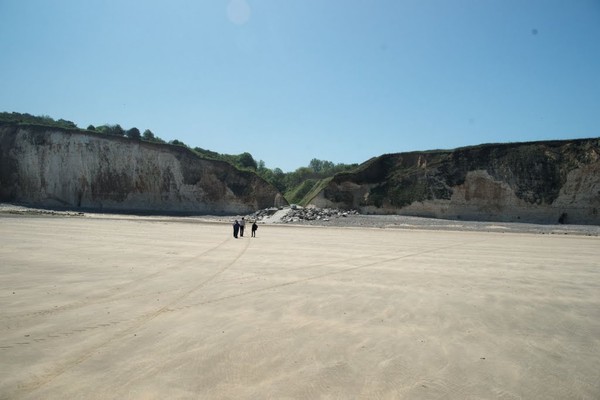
{"x":544,"y":182}
{"x":70,"y":168}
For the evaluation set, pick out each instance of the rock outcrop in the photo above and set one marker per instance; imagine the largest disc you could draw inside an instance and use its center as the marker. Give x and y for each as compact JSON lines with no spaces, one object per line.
{"x":50,"y":167}
{"x":542,"y":182}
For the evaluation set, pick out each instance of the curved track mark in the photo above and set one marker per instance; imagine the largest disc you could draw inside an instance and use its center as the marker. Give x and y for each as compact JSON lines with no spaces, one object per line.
{"x":313,"y":277}
{"x":137,"y":323}
{"x":113,"y":293}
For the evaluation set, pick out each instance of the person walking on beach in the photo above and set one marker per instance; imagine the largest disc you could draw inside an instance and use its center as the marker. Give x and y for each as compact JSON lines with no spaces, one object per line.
{"x":242,"y":226}
{"x":236,"y":228}
{"x":254,"y":228}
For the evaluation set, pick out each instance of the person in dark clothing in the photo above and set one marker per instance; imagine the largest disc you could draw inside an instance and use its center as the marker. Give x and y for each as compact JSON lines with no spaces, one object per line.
{"x":254,"y":228}
{"x":242,"y":226}
{"x":236,"y":228}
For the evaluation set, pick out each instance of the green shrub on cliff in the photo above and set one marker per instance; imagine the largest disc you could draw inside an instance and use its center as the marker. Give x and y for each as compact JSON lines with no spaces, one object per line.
{"x":28,"y":119}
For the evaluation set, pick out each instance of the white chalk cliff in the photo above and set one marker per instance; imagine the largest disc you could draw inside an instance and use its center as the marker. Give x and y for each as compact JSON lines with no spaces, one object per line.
{"x":77,"y":169}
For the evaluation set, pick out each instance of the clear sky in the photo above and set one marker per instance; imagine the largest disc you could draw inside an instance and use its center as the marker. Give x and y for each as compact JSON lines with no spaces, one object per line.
{"x":292,"y":80}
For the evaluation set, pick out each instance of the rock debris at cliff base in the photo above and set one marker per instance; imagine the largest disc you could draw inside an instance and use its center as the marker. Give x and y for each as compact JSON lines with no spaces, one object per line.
{"x":297,"y":214}
{"x":352,"y":220}
{"x":314,"y":216}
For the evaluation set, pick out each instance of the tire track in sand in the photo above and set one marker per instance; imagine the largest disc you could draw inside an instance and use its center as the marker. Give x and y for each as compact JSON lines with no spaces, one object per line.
{"x":59,"y":369}
{"x":114,"y":293}
{"x":318,"y":276}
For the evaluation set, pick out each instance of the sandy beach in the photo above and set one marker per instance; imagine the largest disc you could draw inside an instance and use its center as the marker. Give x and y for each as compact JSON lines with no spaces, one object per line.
{"x":98,"y":307}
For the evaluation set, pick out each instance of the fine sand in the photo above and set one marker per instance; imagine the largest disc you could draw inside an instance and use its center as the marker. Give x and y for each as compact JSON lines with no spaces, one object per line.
{"x":149,"y":308}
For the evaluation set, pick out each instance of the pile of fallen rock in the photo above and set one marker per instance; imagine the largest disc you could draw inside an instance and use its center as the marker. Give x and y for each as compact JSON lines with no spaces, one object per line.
{"x":315,"y":214}
{"x":299,"y":214}
{"x":262,"y":215}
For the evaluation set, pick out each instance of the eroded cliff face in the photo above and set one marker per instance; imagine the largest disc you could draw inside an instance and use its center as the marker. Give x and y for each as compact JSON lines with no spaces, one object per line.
{"x":75,"y":169}
{"x":543,"y":182}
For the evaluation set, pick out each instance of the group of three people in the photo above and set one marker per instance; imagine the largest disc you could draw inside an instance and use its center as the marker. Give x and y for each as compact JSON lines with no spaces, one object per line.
{"x":239,"y":227}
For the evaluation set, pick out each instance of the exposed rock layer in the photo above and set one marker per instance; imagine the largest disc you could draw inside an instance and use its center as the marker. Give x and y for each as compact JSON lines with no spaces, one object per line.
{"x":544,"y":182}
{"x":74,"y":169}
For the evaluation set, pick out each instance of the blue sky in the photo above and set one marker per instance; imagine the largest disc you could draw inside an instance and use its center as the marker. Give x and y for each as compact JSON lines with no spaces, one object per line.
{"x":292,"y":80}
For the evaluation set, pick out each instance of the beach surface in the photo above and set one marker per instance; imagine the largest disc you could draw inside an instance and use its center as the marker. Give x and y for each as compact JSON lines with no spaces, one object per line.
{"x":116,"y":307}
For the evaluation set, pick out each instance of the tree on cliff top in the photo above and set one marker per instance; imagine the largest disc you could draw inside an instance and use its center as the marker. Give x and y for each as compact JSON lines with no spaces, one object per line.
{"x":133,"y":133}
{"x":150,"y":137}
{"x":107,"y":129}
{"x":245,"y":160}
